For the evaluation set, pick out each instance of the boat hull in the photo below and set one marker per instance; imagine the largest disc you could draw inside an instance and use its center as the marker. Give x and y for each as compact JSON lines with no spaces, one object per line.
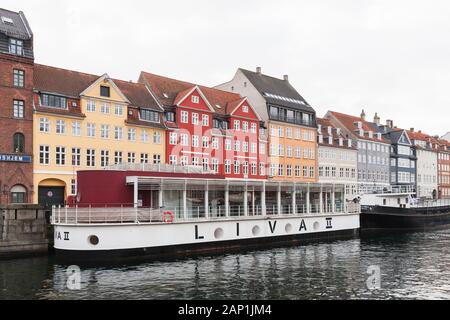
{"x":168,"y":241}
{"x":380,"y":218}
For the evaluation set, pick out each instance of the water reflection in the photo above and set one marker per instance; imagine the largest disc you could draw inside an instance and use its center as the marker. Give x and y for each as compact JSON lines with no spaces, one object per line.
{"x":412,"y":266}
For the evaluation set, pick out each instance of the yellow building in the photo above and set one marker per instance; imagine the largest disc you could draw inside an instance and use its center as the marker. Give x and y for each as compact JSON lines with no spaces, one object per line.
{"x":292,"y":152}
{"x":87,"y":122}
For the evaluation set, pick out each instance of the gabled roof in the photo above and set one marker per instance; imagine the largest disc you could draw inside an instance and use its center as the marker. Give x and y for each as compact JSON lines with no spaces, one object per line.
{"x":324,"y":125}
{"x":350,"y":123}
{"x":72,"y":84}
{"x":19,"y":28}
{"x":170,"y":91}
{"x":277,"y":91}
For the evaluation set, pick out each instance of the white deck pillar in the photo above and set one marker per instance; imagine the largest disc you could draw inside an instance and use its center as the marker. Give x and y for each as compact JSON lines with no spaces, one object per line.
{"x":279,"y":199}
{"x":263,"y":199}
{"x":294,"y":200}
{"x":135,"y":192}
{"x":227,"y":200}
{"x":160,"y":197}
{"x":333,"y":200}
{"x":308,"y":201}
{"x":207,"y":201}
{"x":321,"y":200}
{"x":245,"y":200}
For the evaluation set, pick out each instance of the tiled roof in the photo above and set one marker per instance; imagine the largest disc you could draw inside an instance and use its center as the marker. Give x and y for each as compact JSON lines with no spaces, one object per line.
{"x":72,"y":84}
{"x":19,"y":28}
{"x":325,"y":124}
{"x":170,"y":91}
{"x":350,"y":122}
{"x":64,"y":82}
{"x":278,"y":87}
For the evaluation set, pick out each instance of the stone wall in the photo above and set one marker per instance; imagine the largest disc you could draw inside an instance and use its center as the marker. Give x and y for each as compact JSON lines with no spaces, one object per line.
{"x":23,"y":231}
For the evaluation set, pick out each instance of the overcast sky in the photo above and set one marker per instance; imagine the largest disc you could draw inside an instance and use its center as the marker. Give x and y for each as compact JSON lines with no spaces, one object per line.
{"x":390,"y":57}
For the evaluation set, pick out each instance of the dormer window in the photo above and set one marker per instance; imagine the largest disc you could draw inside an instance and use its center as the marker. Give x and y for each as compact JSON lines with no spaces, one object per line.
{"x":195,"y":99}
{"x":319,"y":127}
{"x":349,"y":141}
{"x":320,"y":138}
{"x":361,"y":132}
{"x":330,"y":140}
{"x":358,"y":124}
{"x":330,"y":130}
{"x":48,"y":100}
{"x":379,"y":136}
{"x":8,"y":21}
{"x":245,"y":109}
{"x":170,"y":116}
{"x":105,"y":91}
{"x":370,"y":134}
{"x":148,"y":115}
{"x":16,"y":47}
{"x":338,"y":131}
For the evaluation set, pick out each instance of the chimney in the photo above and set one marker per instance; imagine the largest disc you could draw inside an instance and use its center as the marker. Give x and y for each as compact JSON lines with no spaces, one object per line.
{"x":376,"y":119}
{"x":390,"y":124}
{"x":286,"y":78}
{"x":420,"y":131}
{"x":363,"y":115}
{"x":258,"y":70}
{"x":411,"y":129}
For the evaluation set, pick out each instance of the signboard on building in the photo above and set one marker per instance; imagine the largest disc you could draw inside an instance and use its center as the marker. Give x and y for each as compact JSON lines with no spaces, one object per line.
{"x":14,"y":158}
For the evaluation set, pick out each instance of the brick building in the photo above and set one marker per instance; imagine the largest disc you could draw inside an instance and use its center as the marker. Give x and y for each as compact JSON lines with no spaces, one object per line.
{"x":16,"y":112}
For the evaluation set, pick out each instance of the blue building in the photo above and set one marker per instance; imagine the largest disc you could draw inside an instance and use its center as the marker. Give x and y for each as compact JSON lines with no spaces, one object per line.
{"x":403,"y":158}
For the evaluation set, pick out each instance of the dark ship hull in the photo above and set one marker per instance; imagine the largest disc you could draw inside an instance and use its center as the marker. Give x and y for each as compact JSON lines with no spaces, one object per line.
{"x":380,"y":218}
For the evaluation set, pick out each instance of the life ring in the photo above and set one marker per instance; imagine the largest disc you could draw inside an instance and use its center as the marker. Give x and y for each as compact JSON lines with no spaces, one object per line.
{"x":168,"y":217}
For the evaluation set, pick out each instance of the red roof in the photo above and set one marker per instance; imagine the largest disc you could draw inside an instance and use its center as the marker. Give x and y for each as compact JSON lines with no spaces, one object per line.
{"x":350,"y":122}
{"x":325,"y":124}
{"x":169,"y":91}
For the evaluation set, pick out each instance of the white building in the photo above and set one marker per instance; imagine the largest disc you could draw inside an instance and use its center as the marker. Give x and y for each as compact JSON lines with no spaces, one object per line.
{"x":337,"y":160}
{"x":427,"y":164}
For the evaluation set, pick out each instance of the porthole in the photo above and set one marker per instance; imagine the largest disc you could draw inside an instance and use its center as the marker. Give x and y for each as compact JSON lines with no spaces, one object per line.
{"x":93,"y":240}
{"x":218,"y":234}
{"x":288,"y":228}
{"x":256,"y":231}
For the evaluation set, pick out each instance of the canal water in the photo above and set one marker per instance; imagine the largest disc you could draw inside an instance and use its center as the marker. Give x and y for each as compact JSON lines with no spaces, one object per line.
{"x":412,"y":266}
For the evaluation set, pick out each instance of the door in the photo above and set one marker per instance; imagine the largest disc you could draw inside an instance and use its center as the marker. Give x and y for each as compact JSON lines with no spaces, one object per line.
{"x":51,"y":196}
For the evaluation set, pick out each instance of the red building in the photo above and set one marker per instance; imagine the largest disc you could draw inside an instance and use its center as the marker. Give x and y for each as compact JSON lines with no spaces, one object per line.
{"x":217,"y":130}
{"x":444,"y":169}
{"x":16,"y":108}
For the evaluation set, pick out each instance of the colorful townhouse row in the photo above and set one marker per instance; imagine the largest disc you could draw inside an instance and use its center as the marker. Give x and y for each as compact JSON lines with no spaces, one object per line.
{"x":56,"y":123}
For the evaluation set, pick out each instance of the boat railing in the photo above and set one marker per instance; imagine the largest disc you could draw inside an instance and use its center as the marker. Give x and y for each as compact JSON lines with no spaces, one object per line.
{"x":129,"y":214}
{"x":431,"y":203}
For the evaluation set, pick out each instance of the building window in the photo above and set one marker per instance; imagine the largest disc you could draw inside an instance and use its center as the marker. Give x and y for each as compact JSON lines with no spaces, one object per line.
{"x":289,"y":170}
{"x":245,"y":168}
{"x":118,"y":133}
{"x":157,"y":137}
{"x":76,"y":157}
{"x":19,"y":78}
{"x":90,"y":106}
{"x":305,"y":171}
{"x":105,"y":91}
{"x":281,"y":170}
{"x":18,"y":107}
{"x":60,"y":156}
{"x":118,"y":110}
{"x":90,"y":157}
{"x":73,"y":187}
{"x":205,"y":120}
{"x":144,"y":136}
{"x":253,"y":128}
{"x":195,"y":99}
{"x":184,"y":140}
{"x":311,"y":172}
{"x":237,"y":167}
{"x":18,"y":194}
{"x":76,"y":128}
{"x":237,"y":146}
{"x":245,"y":146}
{"x":205,"y":163}
{"x":131,"y":134}
{"x":44,"y":125}
{"x":184,"y":117}
{"x":44,"y":155}
{"x":19,"y":143}
{"x":148,"y":115}
{"x":215,"y":143}
{"x":273,"y":169}
{"x":297,"y":171}
{"x":173,"y":160}
{"x":104,"y":108}
{"x":173,"y":138}
{"x":131,"y":157}
{"x":156,"y":159}
{"x":170,"y":116}
{"x":60,"y":126}
{"x":215,"y":166}
{"x":228,"y":145}
{"x":118,"y":157}
{"x":16,"y":47}
{"x":237,"y":125}
{"x":244,"y":126}
{"x":48,"y":100}
{"x":144,"y":158}
{"x":227,"y":166}
{"x":104,"y":158}
{"x":184,"y":161}
{"x":91,"y":130}
{"x":195,"y":161}
{"x":205,"y":142}
{"x":195,"y":118}
{"x":195,"y":141}
{"x":262,"y":169}
{"x":254,"y":148}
